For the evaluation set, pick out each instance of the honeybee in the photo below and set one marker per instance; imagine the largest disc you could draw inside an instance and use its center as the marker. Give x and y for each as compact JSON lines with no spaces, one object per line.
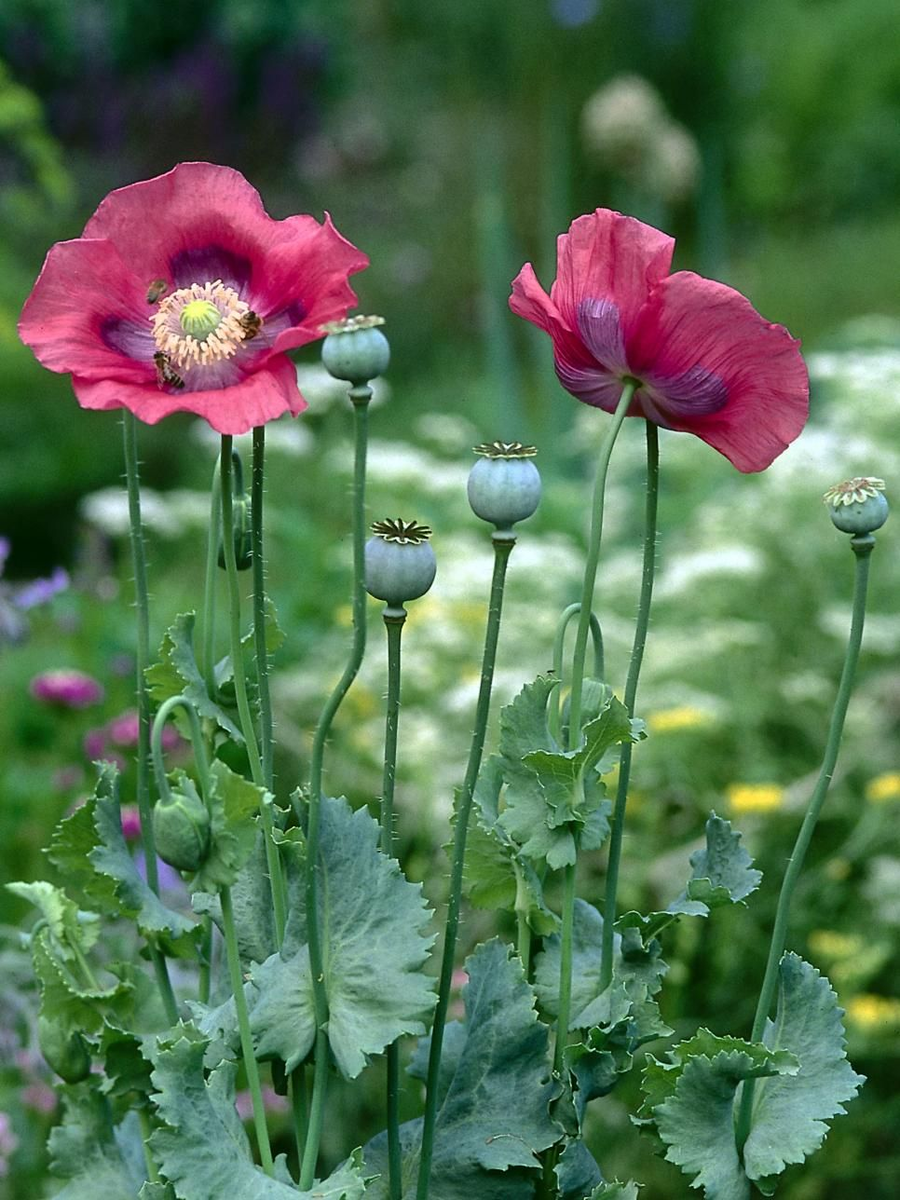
{"x":165,"y":375}
{"x":251,"y":324}
{"x":157,"y":288}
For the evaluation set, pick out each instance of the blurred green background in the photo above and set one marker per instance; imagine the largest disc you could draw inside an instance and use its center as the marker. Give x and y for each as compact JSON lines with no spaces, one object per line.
{"x":452,"y":143}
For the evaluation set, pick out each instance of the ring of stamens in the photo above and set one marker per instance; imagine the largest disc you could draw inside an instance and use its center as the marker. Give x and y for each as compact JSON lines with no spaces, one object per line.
{"x":183,"y":349}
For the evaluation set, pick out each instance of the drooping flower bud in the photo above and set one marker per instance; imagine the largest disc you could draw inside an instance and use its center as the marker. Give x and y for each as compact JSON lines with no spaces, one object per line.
{"x":181,"y":828}
{"x":504,"y":485}
{"x":400,"y":562}
{"x":857,"y":506}
{"x":68,"y":1055}
{"x":355,"y":349}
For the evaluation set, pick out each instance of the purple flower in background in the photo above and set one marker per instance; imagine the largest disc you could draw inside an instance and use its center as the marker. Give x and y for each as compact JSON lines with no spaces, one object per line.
{"x":572,"y":13}
{"x":131,"y":822}
{"x":18,"y":598}
{"x":67,"y":687}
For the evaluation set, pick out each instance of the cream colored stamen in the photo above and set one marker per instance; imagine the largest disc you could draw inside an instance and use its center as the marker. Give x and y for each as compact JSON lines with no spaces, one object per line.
{"x":182,"y":349}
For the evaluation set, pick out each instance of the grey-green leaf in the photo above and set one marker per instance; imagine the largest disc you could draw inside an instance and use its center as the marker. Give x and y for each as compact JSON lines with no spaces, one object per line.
{"x":722,"y":872}
{"x":789,"y":1113}
{"x":99,"y":1163}
{"x":374,"y":947}
{"x":177,"y":674}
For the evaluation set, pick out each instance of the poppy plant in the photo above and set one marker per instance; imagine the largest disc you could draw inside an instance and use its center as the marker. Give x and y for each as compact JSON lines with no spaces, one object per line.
{"x":183,"y":294}
{"x":702,"y":358}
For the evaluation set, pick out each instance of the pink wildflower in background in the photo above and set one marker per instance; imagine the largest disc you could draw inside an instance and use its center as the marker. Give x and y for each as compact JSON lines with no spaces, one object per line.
{"x":183,"y":295}
{"x":705,"y":361}
{"x":67,"y":688}
{"x":131,"y":822}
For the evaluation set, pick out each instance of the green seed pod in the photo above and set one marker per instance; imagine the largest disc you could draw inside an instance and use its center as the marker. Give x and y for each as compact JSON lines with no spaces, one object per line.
{"x":400,"y":563}
{"x":69,"y":1056}
{"x":181,"y":829}
{"x":356,"y":350}
{"x":857,"y":506}
{"x":504,"y":485}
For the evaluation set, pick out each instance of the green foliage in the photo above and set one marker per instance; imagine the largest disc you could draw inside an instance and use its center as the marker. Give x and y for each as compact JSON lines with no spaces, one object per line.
{"x":234,"y":806}
{"x":803,"y":1077}
{"x":99,"y":1161}
{"x":373,"y":947}
{"x":202,"y":1148}
{"x":494,"y":1093}
{"x":177,"y":674}
{"x":73,"y":931}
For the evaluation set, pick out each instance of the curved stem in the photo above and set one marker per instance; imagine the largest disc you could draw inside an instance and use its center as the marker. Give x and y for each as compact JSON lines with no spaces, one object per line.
{"x":142,"y":606}
{"x":503,"y":545}
{"x":360,"y":396}
{"x":273,"y":860}
{"x":209,"y":590}
{"x":593,"y":558}
{"x":164,"y":712}
{"x":393,"y":623}
{"x":565,"y":969}
{"x":631,"y":684}
{"x":240,"y":1004}
{"x":562,"y":627}
{"x":862,"y":548}
{"x":259,"y":600}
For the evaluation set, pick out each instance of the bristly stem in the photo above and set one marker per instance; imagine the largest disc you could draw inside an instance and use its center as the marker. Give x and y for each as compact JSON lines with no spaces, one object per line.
{"x":142,"y":605}
{"x":360,"y":397}
{"x":503,"y":544}
{"x":273,"y":861}
{"x":394,"y":619}
{"x":634,"y":669}
{"x":257,"y":478}
{"x":240,"y":1004}
{"x":593,"y":558}
{"x":862,"y":548}
{"x":565,"y":969}
{"x":209,"y":590}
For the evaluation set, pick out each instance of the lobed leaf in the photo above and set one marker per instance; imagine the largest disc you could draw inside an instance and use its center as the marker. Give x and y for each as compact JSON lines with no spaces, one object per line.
{"x":177,"y":674}
{"x":722,"y":872}
{"x":99,"y":1162}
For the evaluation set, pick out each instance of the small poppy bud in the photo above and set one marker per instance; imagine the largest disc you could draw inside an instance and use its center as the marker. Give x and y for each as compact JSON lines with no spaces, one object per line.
{"x":857,"y":506}
{"x":504,"y":485}
{"x":400,"y":563}
{"x":243,"y":545}
{"x":67,"y":1055}
{"x":356,"y":350}
{"x":181,"y":829}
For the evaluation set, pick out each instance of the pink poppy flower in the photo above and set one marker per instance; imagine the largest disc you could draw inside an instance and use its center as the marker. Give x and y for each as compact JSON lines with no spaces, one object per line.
{"x":66,"y":687}
{"x":183,"y":295}
{"x":705,"y":360}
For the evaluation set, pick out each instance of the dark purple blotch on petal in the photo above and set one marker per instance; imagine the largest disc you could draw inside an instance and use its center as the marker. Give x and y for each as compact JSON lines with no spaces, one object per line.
{"x":203,"y":264}
{"x":129,"y":338}
{"x":600,"y":326}
{"x":695,"y":393}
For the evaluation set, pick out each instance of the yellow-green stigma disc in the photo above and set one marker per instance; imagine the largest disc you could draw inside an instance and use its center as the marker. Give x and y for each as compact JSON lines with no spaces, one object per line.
{"x":199,"y":318}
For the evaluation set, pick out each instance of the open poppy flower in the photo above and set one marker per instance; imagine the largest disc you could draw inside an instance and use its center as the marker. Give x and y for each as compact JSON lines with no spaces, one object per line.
{"x":182,"y":296}
{"x":704,"y":360}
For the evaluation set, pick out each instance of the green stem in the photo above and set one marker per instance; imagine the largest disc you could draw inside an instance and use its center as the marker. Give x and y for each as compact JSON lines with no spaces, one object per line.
{"x":631,"y":684}
{"x":593,"y":558}
{"x":146,"y":1130}
{"x":862,"y":548}
{"x":209,"y":590}
{"x":565,"y":968}
{"x":164,"y":712}
{"x":559,"y":643}
{"x":299,"y":1107}
{"x":523,"y":929}
{"x":240,"y":1004}
{"x":89,"y":976}
{"x":142,"y":606}
{"x":503,"y":544}
{"x":273,"y":860}
{"x":206,"y":949}
{"x":259,"y":600}
{"x":393,"y":622}
{"x":360,"y":396}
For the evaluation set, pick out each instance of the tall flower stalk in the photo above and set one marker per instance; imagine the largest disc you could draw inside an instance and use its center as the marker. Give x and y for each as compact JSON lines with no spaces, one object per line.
{"x":634,"y":669}
{"x":862,"y":546}
{"x":503,"y":541}
{"x":257,"y":492}
{"x":142,"y":661}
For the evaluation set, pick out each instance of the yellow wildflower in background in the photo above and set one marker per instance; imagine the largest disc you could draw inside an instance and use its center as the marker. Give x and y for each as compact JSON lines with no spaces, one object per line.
{"x":884,"y":787}
{"x":874,"y":1013}
{"x":831,"y":944}
{"x":670,"y":720}
{"x":754,"y":797}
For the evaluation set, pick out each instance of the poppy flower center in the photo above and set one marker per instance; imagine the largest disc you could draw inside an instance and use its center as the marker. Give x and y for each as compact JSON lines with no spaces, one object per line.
{"x":201,"y":324}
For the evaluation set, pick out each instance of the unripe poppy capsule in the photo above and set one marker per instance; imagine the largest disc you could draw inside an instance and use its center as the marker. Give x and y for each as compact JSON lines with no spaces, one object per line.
{"x":400,"y":563}
{"x":504,"y":485}
{"x":181,"y":829}
{"x":356,"y":350}
{"x":66,"y":1054}
{"x":857,"y":506}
